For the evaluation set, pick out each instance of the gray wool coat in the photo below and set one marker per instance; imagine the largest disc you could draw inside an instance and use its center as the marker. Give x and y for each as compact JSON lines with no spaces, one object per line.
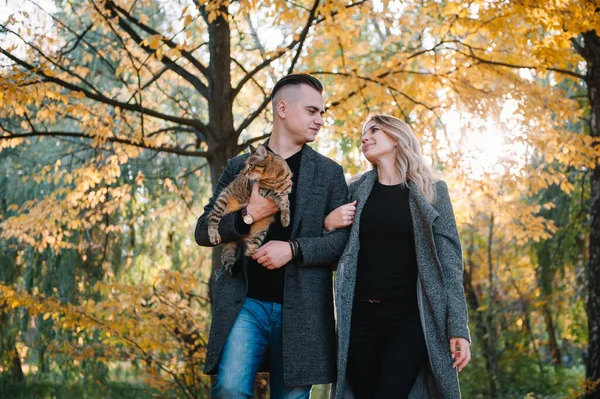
{"x":441,"y":299}
{"x":308,"y":314}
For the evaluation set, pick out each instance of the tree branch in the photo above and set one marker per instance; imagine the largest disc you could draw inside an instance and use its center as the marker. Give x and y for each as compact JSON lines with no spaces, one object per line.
{"x":253,"y":115}
{"x":516,"y":66}
{"x":53,"y":62}
{"x":260,"y":67}
{"x":169,"y":42}
{"x":178,"y":69}
{"x":103,"y":99}
{"x":79,"y":39}
{"x":378,"y":82}
{"x":289,"y":47}
{"x":311,"y":17}
{"x":333,"y":14}
{"x":246,"y":143}
{"x":92,"y":47}
{"x":172,"y":150}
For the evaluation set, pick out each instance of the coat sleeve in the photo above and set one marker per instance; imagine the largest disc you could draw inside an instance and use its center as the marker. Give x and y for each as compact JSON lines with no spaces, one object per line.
{"x":353,"y":184}
{"x":449,"y":252}
{"x":327,"y":249}
{"x":229,"y":228}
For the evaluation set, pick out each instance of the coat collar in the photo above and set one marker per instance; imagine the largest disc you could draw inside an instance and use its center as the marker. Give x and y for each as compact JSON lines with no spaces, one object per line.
{"x":418,"y":204}
{"x":363,"y":191}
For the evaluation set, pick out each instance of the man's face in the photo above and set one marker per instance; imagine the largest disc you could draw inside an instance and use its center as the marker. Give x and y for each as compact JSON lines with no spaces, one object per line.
{"x":303,"y":113}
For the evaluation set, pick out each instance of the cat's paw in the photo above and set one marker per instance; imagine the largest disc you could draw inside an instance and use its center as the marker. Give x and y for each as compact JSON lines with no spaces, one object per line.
{"x":251,"y":250}
{"x":285,"y":219}
{"x":214,"y":236}
{"x":229,"y":266}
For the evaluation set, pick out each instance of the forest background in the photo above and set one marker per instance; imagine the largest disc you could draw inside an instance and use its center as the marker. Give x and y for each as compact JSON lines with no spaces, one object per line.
{"x":117,"y":117}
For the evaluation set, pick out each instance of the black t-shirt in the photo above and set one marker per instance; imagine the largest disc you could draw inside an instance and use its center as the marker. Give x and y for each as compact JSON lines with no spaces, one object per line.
{"x":264,"y":284}
{"x":387,"y":263}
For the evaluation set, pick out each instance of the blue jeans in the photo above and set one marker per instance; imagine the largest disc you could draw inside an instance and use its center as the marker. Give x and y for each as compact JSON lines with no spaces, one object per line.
{"x":256,"y":330}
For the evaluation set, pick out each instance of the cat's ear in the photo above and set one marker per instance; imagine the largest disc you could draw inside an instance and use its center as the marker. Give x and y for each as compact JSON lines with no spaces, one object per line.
{"x":252,"y":148}
{"x":261,"y":151}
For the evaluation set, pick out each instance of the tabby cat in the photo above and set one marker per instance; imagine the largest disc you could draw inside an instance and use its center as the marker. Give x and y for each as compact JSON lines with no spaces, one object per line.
{"x":274,"y":178}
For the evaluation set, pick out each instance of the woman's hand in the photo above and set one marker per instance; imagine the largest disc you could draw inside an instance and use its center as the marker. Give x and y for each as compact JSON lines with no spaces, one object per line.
{"x":461,"y":352}
{"x":342,"y":216}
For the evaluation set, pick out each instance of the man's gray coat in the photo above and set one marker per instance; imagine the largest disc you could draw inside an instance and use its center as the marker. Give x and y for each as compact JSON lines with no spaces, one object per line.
{"x":440,"y":291}
{"x":308,"y":315}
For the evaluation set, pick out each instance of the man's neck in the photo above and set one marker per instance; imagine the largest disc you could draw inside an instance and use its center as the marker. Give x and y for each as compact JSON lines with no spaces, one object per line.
{"x":283,"y":146}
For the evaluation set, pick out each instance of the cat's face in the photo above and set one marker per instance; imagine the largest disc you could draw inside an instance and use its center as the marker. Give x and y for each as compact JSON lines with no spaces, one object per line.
{"x":262,"y":164}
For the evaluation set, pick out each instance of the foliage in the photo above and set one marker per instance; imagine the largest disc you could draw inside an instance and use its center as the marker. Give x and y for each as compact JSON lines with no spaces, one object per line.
{"x":117,"y":116}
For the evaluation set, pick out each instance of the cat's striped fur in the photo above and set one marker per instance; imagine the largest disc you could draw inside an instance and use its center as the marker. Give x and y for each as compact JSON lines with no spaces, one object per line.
{"x":274,"y":177}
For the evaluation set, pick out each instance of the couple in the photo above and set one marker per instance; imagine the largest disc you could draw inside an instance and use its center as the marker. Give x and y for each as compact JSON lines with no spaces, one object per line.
{"x":401,"y":311}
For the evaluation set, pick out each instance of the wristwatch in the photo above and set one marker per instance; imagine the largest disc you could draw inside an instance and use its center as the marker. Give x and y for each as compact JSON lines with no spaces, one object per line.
{"x":246,"y":217}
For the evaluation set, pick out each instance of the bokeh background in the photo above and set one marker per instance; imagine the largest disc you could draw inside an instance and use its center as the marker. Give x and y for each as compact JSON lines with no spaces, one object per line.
{"x":117,"y":116}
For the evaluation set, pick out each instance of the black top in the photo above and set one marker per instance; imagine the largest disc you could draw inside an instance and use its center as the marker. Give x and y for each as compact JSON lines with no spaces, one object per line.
{"x":387,"y":262}
{"x":264,"y":284}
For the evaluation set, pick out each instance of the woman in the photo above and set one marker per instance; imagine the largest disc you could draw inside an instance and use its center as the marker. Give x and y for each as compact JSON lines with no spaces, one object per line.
{"x":402,"y":314}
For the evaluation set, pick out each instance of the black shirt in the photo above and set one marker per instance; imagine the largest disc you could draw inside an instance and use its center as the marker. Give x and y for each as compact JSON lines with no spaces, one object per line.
{"x":264,"y":284}
{"x":387,"y":263}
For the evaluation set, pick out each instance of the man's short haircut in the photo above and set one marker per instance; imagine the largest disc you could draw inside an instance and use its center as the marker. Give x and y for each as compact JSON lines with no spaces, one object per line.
{"x":297,"y":79}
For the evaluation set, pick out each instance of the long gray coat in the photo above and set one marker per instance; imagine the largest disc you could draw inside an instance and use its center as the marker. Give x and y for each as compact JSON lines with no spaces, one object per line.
{"x":440,"y":292}
{"x":308,"y":315}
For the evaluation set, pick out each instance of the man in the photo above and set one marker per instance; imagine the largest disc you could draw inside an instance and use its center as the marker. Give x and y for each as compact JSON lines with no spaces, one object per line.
{"x":279,"y":305}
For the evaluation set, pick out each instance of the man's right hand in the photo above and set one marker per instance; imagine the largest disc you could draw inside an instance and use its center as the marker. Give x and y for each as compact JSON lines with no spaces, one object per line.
{"x":260,"y":207}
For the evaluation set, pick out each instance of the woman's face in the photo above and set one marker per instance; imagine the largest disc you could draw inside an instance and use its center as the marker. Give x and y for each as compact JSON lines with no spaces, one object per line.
{"x":377,"y":145}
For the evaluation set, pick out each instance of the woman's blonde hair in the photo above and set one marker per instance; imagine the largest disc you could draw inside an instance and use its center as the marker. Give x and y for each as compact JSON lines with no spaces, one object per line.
{"x":409,"y":159}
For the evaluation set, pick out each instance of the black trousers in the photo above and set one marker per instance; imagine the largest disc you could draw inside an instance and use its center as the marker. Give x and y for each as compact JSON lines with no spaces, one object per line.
{"x":387,"y":350}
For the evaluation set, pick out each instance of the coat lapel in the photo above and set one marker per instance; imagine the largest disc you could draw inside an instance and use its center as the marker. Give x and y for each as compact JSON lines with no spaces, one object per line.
{"x":305,"y":182}
{"x":420,"y":209}
{"x":362,"y":193}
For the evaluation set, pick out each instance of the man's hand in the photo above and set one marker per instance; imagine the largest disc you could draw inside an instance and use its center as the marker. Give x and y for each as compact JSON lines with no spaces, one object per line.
{"x":273,"y":254}
{"x":461,"y":352}
{"x":260,"y":207}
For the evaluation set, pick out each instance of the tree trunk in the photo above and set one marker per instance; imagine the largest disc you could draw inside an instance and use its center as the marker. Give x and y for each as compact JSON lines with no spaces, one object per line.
{"x":17,"y":370}
{"x":545,"y":275}
{"x":492,"y":336}
{"x":551,"y":330}
{"x":222,"y":138}
{"x":476,"y":316}
{"x":529,"y":330}
{"x":591,"y":53}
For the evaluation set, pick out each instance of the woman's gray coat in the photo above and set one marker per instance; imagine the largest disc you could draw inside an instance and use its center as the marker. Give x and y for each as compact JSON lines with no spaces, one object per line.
{"x":440,"y":291}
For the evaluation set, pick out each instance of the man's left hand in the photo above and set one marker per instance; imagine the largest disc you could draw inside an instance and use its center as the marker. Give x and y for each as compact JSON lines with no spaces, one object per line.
{"x":273,"y":254}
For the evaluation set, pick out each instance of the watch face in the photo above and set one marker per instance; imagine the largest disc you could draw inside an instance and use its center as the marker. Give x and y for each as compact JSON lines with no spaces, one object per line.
{"x":248,"y":219}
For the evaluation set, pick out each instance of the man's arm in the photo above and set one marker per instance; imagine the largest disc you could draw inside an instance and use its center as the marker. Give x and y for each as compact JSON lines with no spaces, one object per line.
{"x":328,"y":248}
{"x":231,"y":226}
